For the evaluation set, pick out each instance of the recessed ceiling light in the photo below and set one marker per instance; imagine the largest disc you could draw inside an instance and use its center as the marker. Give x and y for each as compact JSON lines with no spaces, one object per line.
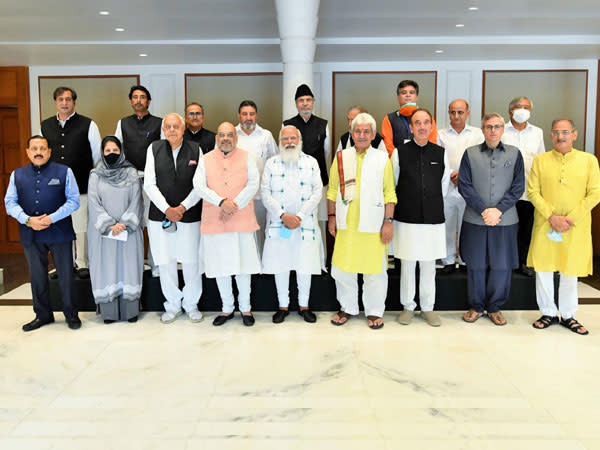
{"x":143,"y":54}
{"x":104,"y":13}
{"x":460,"y":25}
{"x":119,"y":29}
{"x":439,"y":51}
{"x":473,"y":8}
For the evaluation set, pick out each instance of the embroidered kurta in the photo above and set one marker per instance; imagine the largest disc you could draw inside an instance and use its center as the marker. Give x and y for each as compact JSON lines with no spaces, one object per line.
{"x":292,"y":188}
{"x":565,"y":185}
{"x":356,"y":251}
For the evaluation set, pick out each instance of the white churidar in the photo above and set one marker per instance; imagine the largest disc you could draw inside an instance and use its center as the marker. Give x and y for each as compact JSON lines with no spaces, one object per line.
{"x":226,"y":291}
{"x":282,"y":282}
{"x":426,"y":284}
{"x":567,"y":294}
{"x":190,"y":294}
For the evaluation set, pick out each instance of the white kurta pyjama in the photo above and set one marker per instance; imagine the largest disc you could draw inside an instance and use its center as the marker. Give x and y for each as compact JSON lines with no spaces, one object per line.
{"x":454,"y":205}
{"x":292,"y":188}
{"x":226,"y":254}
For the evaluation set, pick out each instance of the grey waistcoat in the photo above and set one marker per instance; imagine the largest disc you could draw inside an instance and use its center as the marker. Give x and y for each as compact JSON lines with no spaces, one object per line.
{"x":492,"y":175}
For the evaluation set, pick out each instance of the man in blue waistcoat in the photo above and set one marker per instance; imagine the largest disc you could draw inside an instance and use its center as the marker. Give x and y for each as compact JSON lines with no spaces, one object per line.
{"x":42,"y":196}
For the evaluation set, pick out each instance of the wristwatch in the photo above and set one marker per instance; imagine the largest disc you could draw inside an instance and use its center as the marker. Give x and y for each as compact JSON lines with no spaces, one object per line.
{"x":28,"y":222}
{"x":389,"y":219}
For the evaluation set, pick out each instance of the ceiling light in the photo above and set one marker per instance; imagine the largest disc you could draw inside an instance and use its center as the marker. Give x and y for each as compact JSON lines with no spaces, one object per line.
{"x":460,"y":25}
{"x":104,"y":13}
{"x":143,"y":54}
{"x":439,"y":51}
{"x":119,"y":29}
{"x":473,"y":8}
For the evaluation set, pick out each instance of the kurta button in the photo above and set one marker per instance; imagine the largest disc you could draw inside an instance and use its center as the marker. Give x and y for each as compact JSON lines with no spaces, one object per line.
{"x":62,"y":157}
{"x":62,"y":146}
{"x":62,"y":134}
{"x":37,"y":212}
{"x":37,"y":191}
{"x":37,"y":201}
{"x":37,"y":181}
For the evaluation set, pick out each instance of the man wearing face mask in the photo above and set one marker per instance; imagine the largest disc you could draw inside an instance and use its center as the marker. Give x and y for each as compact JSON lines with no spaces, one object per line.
{"x":260,"y":144}
{"x":530,"y":140}
{"x":42,"y":196}
{"x":174,"y":214}
{"x":227,"y":179}
{"x":291,"y":191}
{"x":395,"y":127}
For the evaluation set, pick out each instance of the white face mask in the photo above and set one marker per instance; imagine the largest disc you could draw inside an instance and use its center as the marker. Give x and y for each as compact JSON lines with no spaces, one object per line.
{"x":521,"y":115}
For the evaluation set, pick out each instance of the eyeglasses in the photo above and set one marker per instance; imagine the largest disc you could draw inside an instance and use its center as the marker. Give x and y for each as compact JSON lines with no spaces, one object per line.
{"x":195,"y":114}
{"x":563,"y":132}
{"x":493,"y":127}
{"x":222,"y":135}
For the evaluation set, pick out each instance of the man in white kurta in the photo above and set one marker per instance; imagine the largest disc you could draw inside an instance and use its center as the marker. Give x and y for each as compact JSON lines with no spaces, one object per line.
{"x":455,"y":139}
{"x":227,"y":179}
{"x":291,"y":189}
{"x":419,"y":217}
{"x":260,"y":143}
{"x":174,"y":214}
{"x":529,"y":139}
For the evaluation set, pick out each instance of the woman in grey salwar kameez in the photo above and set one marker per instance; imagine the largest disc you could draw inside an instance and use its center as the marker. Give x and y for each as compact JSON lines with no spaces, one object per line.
{"x":115,"y":208}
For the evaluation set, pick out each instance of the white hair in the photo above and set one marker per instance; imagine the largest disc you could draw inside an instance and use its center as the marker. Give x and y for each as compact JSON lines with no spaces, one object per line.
{"x":364,"y":119}
{"x":162,"y":125}
{"x":293,"y":127}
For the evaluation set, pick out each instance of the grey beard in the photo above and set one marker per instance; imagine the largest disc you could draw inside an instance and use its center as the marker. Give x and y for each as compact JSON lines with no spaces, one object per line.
{"x":305,"y":114}
{"x":246,"y":127}
{"x":290,"y":155}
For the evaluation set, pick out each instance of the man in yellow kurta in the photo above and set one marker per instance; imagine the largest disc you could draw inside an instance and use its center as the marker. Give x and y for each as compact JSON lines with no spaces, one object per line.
{"x":564,"y":186}
{"x":361,"y":198}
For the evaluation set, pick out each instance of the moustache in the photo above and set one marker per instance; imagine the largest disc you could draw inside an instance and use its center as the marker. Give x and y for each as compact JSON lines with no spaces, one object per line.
{"x":38,"y":156}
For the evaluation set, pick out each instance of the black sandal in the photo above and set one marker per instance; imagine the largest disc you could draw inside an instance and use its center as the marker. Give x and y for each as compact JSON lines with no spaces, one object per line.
{"x":374,"y":326}
{"x":341,"y":315}
{"x":546,"y":321}
{"x":573,"y":325}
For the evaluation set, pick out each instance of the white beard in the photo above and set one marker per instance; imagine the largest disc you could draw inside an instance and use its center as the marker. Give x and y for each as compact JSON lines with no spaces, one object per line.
{"x":289,"y":155}
{"x":248,"y":127}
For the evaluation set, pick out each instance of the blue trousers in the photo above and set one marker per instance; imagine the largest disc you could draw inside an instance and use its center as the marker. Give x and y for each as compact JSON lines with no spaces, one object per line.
{"x":37,"y":258}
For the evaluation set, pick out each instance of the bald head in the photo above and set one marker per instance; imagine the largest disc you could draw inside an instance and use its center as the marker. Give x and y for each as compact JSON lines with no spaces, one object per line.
{"x":173,"y":127}
{"x":226,"y":137}
{"x":459,"y":113}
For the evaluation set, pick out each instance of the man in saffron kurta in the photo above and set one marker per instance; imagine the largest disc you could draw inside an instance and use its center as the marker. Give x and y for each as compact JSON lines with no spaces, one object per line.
{"x":228,"y":179}
{"x":360,"y":216}
{"x":564,"y":186}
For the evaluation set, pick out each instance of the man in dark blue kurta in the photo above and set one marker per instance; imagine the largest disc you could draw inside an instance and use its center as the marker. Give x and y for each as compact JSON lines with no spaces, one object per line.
{"x":491,"y":180}
{"x":42,"y":196}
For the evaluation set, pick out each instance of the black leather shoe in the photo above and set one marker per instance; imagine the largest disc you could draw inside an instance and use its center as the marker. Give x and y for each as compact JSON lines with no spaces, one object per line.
{"x":107,"y":321}
{"x":74,"y":323}
{"x":280,"y":315}
{"x":221,"y":319}
{"x":248,"y":320}
{"x":53,"y":275}
{"x":132,"y":319}
{"x":447,"y":269}
{"x":83,"y":273}
{"x":308,"y":315}
{"x":36,"y":323}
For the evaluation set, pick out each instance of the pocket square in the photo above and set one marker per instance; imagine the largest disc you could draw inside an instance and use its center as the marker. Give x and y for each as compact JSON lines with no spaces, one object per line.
{"x":508,"y":164}
{"x":192,"y":162}
{"x":54,"y":182}
{"x":434,"y":162}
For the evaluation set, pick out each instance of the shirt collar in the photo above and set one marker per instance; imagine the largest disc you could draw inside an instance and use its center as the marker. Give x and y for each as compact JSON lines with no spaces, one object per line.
{"x":62,"y":122}
{"x":240,"y":132}
{"x":509,"y":126}
{"x":484,"y":147}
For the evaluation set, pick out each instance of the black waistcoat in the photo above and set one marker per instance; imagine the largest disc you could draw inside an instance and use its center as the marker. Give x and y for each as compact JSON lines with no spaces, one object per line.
{"x":175,"y":185}
{"x":204,"y":137}
{"x":313,"y":134}
{"x":138,"y":134}
{"x":419,"y":188}
{"x":400,"y":128}
{"x":70,"y":146}
{"x":374,"y":143}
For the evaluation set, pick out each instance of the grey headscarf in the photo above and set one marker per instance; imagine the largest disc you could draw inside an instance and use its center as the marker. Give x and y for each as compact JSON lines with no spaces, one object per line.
{"x":121,"y":173}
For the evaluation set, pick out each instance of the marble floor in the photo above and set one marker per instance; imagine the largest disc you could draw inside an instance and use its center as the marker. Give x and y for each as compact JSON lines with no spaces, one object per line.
{"x":299,"y":386}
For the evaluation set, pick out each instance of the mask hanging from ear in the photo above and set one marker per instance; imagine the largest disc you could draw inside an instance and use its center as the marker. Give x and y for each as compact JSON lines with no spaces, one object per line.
{"x":407,"y":109}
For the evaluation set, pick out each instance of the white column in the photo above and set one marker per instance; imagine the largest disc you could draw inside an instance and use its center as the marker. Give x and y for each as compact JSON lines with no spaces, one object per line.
{"x":297,"y":22}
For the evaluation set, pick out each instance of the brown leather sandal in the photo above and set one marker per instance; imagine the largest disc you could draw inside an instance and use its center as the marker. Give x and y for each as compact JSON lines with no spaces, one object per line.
{"x":373,"y":325}
{"x":471,"y":316}
{"x":341,"y":315}
{"x":497,"y":318}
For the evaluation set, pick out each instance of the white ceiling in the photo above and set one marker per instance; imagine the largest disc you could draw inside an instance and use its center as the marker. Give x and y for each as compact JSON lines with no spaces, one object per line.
{"x":58,"y":32}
